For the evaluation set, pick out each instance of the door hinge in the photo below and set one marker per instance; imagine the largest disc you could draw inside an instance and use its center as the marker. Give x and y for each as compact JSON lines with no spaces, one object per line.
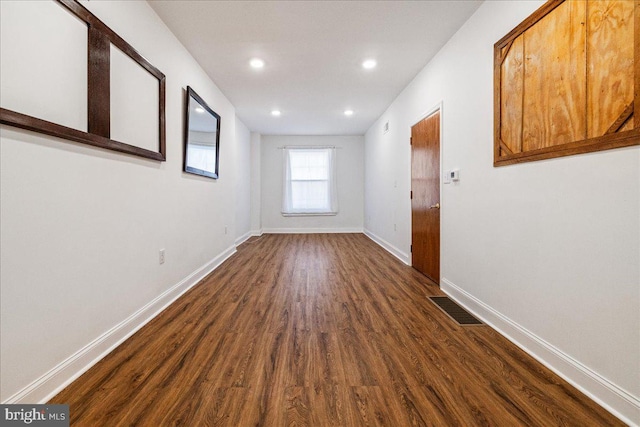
{"x":411,"y":248}
{"x":411,"y":195}
{"x":411,"y":141}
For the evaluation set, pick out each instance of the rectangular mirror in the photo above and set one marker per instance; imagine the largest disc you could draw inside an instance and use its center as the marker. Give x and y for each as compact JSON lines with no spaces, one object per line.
{"x":201,"y":137}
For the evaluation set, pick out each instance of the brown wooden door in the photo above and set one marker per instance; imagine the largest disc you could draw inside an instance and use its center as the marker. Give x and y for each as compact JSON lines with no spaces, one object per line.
{"x":425,"y":200}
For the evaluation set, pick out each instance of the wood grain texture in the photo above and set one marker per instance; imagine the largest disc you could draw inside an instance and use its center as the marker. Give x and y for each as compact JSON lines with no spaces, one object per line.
{"x":100,"y":37}
{"x":425,"y":187}
{"x":636,"y":77}
{"x":319,"y":330}
{"x":162,"y":116}
{"x":45,"y":127}
{"x":610,"y":62}
{"x":586,"y":42}
{"x":94,"y":22}
{"x":98,"y":84}
{"x":628,"y":125}
{"x":554,"y":78}
{"x":504,"y":149}
{"x":601,"y":143}
{"x":512,"y":70}
{"x":622,"y":120}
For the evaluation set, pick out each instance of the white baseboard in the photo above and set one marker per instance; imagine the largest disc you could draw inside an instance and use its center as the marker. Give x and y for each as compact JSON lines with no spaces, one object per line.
{"x":240,"y":240}
{"x":310,"y":230}
{"x":256,"y":233}
{"x":51,"y":383}
{"x":402,"y":256}
{"x":619,"y":402}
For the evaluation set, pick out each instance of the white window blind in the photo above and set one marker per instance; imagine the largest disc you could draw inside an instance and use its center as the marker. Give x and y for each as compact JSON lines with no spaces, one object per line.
{"x":309,"y":186}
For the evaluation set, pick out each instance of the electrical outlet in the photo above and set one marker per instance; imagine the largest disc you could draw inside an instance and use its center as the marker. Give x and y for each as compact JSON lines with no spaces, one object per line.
{"x":161,"y":256}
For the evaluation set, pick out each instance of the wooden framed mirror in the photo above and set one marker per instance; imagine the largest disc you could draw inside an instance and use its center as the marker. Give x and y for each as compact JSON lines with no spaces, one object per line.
{"x":201,"y":137}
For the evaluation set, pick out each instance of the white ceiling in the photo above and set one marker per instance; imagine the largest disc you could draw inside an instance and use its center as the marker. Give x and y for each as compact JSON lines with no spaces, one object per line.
{"x":313,"y":52}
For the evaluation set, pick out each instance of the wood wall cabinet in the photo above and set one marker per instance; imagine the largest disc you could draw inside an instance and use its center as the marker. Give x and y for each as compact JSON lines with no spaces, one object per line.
{"x":567,"y":81}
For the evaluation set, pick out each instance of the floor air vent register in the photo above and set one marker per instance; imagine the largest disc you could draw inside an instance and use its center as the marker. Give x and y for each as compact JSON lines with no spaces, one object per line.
{"x":454,"y":311}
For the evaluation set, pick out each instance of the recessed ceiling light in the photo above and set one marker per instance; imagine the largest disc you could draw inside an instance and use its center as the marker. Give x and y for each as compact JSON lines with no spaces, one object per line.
{"x":199,"y":110}
{"x":348,"y":112}
{"x":369,"y":64}
{"x":256,"y":63}
{"x":275,"y":113}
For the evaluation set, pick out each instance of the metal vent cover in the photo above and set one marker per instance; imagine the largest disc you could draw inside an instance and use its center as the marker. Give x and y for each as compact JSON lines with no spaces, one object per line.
{"x":454,"y":311}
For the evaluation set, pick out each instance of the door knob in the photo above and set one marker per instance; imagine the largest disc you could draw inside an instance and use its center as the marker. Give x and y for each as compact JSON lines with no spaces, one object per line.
{"x":436,"y":206}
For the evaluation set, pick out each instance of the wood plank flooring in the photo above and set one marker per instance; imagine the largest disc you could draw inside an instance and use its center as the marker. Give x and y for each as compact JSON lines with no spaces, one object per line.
{"x":319,"y":330}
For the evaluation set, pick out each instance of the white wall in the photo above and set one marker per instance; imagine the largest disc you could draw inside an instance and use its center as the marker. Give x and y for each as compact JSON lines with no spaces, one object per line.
{"x":350,"y":177}
{"x":256,"y":187}
{"x":243,"y":182}
{"x":547,"y":251}
{"x":81,"y":227}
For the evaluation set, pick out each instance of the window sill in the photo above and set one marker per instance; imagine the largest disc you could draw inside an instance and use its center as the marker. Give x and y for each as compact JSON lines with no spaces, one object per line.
{"x":310,"y":214}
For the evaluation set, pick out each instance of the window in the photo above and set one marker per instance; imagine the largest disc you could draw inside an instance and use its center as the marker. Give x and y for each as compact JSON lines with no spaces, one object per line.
{"x":201,"y":157}
{"x":309,"y":182}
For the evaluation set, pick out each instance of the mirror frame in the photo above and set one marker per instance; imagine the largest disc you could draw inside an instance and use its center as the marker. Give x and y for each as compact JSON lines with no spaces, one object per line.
{"x":190,"y":93}
{"x":99,"y":38}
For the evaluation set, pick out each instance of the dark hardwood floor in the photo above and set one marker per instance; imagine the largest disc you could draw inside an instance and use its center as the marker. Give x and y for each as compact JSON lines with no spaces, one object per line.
{"x":319,"y":330}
